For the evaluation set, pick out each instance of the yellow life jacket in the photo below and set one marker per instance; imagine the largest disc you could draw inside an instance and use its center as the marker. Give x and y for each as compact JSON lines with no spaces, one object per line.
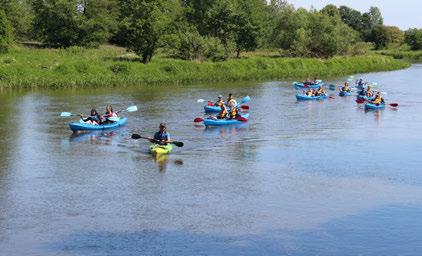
{"x":377,"y":100}
{"x":223,"y":113}
{"x":233,"y":112}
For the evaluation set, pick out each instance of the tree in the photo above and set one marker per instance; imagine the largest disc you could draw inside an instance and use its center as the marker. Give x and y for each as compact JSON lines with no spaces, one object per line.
{"x":6,"y":32}
{"x":20,"y":15}
{"x":145,"y":23}
{"x":57,"y":22}
{"x":413,"y":37}
{"x":351,"y":17}
{"x":381,"y":37}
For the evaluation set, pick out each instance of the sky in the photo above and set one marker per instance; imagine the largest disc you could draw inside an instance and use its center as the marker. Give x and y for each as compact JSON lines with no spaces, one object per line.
{"x":403,"y":13}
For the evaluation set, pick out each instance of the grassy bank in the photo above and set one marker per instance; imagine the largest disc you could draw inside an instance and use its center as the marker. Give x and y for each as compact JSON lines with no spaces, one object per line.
{"x":112,"y":66}
{"x":412,"y":56}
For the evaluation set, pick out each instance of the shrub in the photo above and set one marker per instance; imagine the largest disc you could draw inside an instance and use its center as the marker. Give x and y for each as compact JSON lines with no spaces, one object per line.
{"x":6,"y":33}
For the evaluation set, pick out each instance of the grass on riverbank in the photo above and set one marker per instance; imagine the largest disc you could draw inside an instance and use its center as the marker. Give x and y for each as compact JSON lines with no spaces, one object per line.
{"x":113,"y":66}
{"x":412,"y":56}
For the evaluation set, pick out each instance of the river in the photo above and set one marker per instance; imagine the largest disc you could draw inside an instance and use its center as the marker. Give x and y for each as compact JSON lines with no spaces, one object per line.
{"x":301,"y":178}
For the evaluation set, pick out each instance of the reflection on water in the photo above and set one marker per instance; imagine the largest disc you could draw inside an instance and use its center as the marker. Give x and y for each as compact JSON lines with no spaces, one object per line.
{"x":300,"y":178}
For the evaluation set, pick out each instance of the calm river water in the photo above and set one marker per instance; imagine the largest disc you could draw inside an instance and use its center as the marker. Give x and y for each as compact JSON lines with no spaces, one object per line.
{"x":302,"y":178}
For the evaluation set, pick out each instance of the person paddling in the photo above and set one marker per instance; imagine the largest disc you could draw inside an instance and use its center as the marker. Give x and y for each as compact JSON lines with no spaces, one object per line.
{"x":320,"y":91}
{"x":346,"y":88}
{"x":234,"y":113}
{"x":219,"y":101}
{"x":162,"y":137}
{"x":223,"y":112}
{"x":231,"y":99}
{"x":378,"y":99}
{"x":369,"y":92}
{"x":109,"y":113}
{"x":94,"y":118}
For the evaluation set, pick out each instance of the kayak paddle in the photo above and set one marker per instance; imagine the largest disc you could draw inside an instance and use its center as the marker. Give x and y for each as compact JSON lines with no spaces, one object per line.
{"x":245,"y":100}
{"x":394,"y":105}
{"x":198,"y":120}
{"x":129,"y":109}
{"x":244,"y":107}
{"x":176,"y":143}
{"x":360,"y":101}
{"x":67,"y":114}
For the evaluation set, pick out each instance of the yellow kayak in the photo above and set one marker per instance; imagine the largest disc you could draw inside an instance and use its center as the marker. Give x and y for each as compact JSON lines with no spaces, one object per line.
{"x":160,"y":149}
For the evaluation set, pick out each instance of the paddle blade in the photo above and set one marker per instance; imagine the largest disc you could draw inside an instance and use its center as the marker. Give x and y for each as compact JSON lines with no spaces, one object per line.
{"x":198,"y":120}
{"x":210,"y":103}
{"x":242,"y":119}
{"x":178,"y":143}
{"x":395,"y":105}
{"x":244,"y":107}
{"x":136,"y":136}
{"x":360,"y":101}
{"x":245,"y":100}
{"x":114,"y":119}
{"x":65,"y":114}
{"x":132,"y":109}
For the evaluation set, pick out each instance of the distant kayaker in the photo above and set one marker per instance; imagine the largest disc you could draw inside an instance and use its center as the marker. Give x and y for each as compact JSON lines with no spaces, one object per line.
{"x":219,"y":101}
{"x":346,"y":88}
{"x":309,"y":93}
{"x":320,"y":91}
{"x":109,"y":113}
{"x":315,"y":81}
{"x":223,"y":112}
{"x":94,"y":118}
{"x":231,"y":99}
{"x":378,"y":99}
{"x":162,"y":137}
{"x":234,"y":113}
{"x":360,"y":82}
{"x":369,"y":92}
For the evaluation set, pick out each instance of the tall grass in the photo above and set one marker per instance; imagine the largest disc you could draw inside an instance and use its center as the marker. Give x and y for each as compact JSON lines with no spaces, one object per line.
{"x":113,"y":66}
{"x":413,"y":56}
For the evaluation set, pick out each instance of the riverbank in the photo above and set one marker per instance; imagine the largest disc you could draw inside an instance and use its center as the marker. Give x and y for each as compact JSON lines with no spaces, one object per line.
{"x":412,"y":56}
{"x":113,"y":66}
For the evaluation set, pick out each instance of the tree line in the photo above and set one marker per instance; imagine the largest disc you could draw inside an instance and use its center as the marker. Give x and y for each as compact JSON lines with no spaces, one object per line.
{"x":199,"y":29}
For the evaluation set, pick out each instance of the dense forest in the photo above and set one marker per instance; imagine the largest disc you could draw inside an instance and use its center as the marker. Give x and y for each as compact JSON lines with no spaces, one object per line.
{"x":199,"y":29}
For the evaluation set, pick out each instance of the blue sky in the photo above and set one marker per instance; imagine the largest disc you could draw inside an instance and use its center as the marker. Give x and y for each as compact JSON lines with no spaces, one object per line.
{"x":404,"y":13}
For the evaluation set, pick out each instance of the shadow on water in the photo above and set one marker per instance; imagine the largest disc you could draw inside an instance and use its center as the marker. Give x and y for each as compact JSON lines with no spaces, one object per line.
{"x":347,"y":234}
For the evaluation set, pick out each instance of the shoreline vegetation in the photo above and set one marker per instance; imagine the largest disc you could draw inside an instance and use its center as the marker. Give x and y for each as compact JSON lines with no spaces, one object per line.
{"x":113,"y":66}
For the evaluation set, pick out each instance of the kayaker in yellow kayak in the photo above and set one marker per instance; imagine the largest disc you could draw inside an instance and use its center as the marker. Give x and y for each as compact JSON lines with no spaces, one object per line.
{"x":162,"y":137}
{"x":94,"y":118}
{"x":320,"y":91}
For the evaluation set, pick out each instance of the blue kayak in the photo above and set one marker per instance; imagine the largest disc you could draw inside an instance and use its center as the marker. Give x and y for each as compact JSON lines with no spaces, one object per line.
{"x":370,"y":106}
{"x":305,"y":97}
{"x":298,"y":85}
{"x":82,"y":126}
{"x":212,"y":109}
{"x":222,"y":122}
{"x":345,"y":93}
{"x":366,"y":98}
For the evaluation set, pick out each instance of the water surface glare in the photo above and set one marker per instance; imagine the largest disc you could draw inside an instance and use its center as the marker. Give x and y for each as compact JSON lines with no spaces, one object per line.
{"x":301,"y":178}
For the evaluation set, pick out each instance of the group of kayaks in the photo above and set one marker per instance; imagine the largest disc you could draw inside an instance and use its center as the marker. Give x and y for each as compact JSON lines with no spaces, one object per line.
{"x":342,"y":93}
{"x":211,"y":120}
